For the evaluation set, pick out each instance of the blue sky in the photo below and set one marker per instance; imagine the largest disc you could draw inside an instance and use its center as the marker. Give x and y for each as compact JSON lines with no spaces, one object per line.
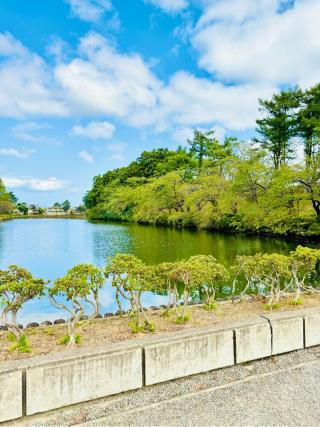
{"x":86,"y":85}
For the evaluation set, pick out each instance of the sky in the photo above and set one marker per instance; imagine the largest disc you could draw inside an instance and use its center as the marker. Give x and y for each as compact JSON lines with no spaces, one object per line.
{"x":87,"y":85}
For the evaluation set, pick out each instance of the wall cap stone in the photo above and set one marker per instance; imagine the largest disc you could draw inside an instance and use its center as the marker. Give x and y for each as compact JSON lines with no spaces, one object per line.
{"x":290,"y":314}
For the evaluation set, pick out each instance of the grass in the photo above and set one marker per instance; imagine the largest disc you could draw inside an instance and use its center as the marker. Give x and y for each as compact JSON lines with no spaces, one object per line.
{"x":210,"y":307}
{"x":296,"y":302}
{"x":182,"y":320}
{"x":166,"y":314}
{"x":136,"y":328}
{"x":274,"y":306}
{"x":48,"y":331}
{"x":11,"y":337}
{"x":66,"y":339}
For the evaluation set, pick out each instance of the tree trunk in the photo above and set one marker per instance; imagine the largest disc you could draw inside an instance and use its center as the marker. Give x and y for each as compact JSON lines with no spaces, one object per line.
{"x":12,"y":326}
{"x":185,"y":302}
{"x":316,"y":207}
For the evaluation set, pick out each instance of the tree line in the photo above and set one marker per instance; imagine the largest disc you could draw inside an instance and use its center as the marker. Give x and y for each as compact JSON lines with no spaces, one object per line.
{"x":7,"y":199}
{"x":270,"y":184}
{"x":200,"y":278}
{"x":9,"y":203}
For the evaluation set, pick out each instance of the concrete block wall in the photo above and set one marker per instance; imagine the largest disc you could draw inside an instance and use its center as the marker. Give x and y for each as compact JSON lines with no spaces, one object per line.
{"x":184,"y":356}
{"x":48,"y":382}
{"x":312,"y":328}
{"x":287,"y":329}
{"x":10,"y":395}
{"x":65,"y":382}
{"x":252,"y":340}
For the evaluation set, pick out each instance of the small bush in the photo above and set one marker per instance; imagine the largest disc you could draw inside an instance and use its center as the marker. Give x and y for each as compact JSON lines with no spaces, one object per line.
{"x":22,"y":345}
{"x":296,"y":302}
{"x":273,"y":306}
{"x":166,"y":313}
{"x":66,"y":339}
{"x":48,"y":331}
{"x":150,"y":327}
{"x":136,"y":328}
{"x":181,"y":320}
{"x":11,"y":337}
{"x":210,"y":307}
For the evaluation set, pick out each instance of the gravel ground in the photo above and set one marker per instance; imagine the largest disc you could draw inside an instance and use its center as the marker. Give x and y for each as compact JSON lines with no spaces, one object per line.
{"x":278,"y":391}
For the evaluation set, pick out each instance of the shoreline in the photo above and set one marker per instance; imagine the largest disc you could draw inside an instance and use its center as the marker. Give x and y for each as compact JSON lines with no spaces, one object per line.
{"x":309,"y":238}
{"x":7,"y":218}
{"x":313,"y":239}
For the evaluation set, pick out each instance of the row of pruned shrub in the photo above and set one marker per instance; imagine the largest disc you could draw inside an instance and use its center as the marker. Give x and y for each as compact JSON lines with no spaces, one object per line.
{"x":77,"y":293}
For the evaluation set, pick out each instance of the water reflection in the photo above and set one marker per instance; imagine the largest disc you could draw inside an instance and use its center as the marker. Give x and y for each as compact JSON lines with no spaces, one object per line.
{"x":48,"y":247}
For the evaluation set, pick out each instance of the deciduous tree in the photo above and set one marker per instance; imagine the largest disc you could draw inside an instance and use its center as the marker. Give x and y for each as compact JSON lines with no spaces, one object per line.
{"x":17,"y":286}
{"x":79,"y":288}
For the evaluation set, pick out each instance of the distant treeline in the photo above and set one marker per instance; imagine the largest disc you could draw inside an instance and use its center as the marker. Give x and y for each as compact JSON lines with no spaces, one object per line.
{"x":269,"y":185}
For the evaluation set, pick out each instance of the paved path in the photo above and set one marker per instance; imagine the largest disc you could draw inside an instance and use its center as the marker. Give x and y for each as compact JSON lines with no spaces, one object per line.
{"x":279,"y":391}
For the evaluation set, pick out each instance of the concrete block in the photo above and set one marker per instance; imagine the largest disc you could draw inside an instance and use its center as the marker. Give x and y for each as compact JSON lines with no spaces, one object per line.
{"x":10,"y":395}
{"x":253,"y":340}
{"x":188,"y":355}
{"x":312,"y":327}
{"x":65,"y":382}
{"x":287,"y":331}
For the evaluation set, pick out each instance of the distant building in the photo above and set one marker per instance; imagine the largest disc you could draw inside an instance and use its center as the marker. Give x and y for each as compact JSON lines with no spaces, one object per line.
{"x":54,"y":211}
{"x":74,"y":211}
{"x":33,"y":211}
{"x":16,"y":212}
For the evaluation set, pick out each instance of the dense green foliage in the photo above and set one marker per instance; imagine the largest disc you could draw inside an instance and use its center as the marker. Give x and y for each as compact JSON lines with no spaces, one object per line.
{"x":262,"y":186}
{"x":6,"y":199}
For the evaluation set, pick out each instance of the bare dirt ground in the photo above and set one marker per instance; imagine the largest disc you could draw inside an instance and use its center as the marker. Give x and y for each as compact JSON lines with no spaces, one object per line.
{"x":44,"y":340}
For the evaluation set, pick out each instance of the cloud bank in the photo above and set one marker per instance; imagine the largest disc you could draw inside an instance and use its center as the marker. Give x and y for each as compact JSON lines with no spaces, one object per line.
{"x":248,"y":49}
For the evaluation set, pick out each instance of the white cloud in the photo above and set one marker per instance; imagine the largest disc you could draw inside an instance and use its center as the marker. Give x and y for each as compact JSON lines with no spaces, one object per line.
{"x":247,"y":41}
{"x":90,"y":10}
{"x":35,"y":184}
{"x":117,"y":147}
{"x":95,"y":130}
{"x":182,"y":135}
{"x":104,"y":81}
{"x":101,"y":81}
{"x":188,"y":101}
{"x":26,"y":87}
{"x":19,"y":154}
{"x":86,"y":156}
{"x":169,"y":6}
{"x":58,"y":48}
{"x":250,"y":48}
{"x":117,"y":151}
{"x":220,"y":133}
{"x":117,"y":157}
{"x":29,"y":131}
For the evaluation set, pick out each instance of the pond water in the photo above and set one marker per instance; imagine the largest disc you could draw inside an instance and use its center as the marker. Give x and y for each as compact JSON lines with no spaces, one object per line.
{"x":49,"y":247}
